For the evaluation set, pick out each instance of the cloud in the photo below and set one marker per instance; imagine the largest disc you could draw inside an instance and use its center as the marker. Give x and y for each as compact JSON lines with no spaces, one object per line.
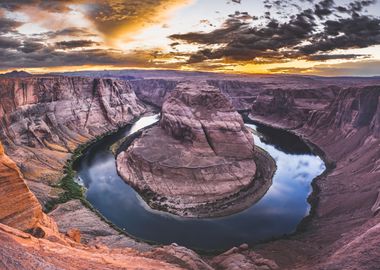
{"x":360,"y":68}
{"x":46,"y":56}
{"x":31,"y":46}
{"x":70,"y":32}
{"x":113,"y":18}
{"x":324,"y":8}
{"x":240,"y":41}
{"x":353,"y":32}
{"x":325,"y":57}
{"x":304,"y":36}
{"x":8,"y":25}
{"x":49,"y":5}
{"x":75,"y":44}
{"x":7,"y":42}
{"x":120,"y":19}
{"x":312,"y":31}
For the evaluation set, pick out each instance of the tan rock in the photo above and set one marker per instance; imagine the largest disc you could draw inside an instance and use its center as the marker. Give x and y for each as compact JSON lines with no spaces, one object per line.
{"x":74,"y":234}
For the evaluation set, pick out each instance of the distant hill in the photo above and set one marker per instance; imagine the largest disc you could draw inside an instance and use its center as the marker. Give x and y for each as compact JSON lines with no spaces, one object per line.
{"x":16,"y":74}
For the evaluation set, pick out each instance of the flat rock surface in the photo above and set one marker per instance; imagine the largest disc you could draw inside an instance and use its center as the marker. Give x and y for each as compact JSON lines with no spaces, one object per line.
{"x":93,"y":230}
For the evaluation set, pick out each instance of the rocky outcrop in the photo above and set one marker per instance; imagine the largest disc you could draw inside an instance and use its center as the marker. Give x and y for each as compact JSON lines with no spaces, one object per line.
{"x":21,"y":251}
{"x":43,"y":119}
{"x":19,"y":208}
{"x":236,"y":258}
{"x":242,"y":258}
{"x":93,"y":230}
{"x":199,"y":155}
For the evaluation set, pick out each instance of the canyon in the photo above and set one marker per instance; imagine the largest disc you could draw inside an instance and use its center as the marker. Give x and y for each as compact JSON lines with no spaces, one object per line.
{"x":45,"y":118}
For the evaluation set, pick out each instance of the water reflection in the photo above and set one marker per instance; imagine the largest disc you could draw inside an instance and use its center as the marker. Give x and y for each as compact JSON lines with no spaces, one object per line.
{"x":277,"y":213}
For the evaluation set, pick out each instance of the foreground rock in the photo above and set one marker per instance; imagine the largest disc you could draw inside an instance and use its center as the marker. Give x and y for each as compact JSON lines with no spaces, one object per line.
{"x":94,"y":231}
{"x":199,"y":160}
{"x":19,"y":208}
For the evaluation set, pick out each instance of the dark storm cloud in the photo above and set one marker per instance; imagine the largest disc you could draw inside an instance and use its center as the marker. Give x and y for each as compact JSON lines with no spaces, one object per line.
{"x":324,"y":8}
{"x":218,"y":36}
{"x":7,"y":42}
{"x":7,"y":25}
{"x":50,"y":5}
{"x":355,"y":32}
{"x":243,"y":42}
{"x":75,"y":44}
{"x":303,"y":36}
{"x":31,"y":46}
{"x":49,"y":57}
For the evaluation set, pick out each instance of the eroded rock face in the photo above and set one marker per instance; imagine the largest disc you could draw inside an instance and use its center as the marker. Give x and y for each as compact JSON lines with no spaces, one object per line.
{"x":200,"y":114}
{"x":21,"y":251}
{"x":19,"y":208}
{"x":153,"y":91}
{"x":199,"y":155}
{"x":345,"y":220}
{"x":43,"y":119}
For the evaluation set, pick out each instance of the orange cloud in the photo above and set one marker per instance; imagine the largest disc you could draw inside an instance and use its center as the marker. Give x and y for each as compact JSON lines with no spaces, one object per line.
{"x":121,"y":19}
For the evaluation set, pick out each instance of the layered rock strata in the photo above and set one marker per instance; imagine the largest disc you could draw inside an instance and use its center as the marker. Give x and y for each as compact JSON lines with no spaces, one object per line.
{"x":19,"y":208}
{"x":346,"y":128}
{"x":200,"y":156}
{"x":43,"y":119}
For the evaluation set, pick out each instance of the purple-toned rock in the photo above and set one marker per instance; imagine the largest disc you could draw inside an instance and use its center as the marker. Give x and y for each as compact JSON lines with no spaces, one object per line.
{"x":199,"y":155}
{"x":43,"y":119}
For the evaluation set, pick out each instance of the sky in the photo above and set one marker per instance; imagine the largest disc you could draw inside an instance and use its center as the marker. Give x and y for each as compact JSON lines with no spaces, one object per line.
{"x":319,"y":37}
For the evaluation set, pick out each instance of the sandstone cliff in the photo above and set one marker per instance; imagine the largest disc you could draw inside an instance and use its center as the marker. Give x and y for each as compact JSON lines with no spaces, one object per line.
{"x":18,"y":206}
{"x":343,"y":123}
{"x":43,"y":119}
{"x":153,"y":91}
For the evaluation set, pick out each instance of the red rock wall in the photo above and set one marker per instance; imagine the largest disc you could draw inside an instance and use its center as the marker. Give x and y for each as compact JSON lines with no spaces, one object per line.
{"x":18,"y":206}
